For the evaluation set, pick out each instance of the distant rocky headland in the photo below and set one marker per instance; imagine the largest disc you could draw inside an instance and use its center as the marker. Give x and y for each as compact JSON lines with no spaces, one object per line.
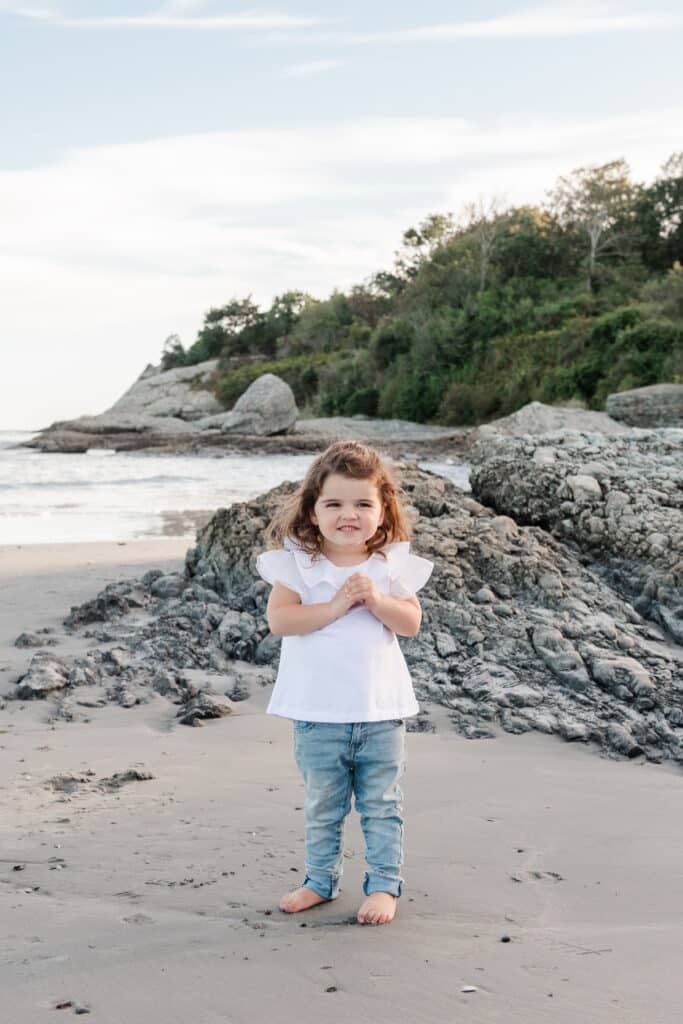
{"x":176,"y":411}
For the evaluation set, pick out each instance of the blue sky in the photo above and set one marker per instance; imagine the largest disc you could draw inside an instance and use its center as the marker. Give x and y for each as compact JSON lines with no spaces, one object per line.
{"x":157,"y":159}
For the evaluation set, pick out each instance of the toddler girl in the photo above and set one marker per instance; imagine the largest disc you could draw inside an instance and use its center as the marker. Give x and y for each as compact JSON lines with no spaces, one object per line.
{"x":344,"y":585}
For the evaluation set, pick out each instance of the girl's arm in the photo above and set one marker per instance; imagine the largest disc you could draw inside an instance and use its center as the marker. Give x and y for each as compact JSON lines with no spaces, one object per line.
{"x":287,"y":616}
{"x":402,"y":615}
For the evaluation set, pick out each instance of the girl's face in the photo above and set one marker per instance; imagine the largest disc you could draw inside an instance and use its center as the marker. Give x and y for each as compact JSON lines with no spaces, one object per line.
{"x":347,"y":513}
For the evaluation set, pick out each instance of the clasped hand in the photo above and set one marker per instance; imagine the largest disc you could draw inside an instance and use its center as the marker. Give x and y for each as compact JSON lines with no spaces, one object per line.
{"x":358,"y":589}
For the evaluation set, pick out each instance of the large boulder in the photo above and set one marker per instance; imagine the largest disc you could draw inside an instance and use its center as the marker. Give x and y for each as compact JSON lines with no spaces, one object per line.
{"x":266,"y":407}
{"x":660,"y":405}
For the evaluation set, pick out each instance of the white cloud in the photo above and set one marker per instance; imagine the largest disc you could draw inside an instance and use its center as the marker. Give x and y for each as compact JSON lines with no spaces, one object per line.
{"x":183,"y":6}
{"x":312,"y":67}
{"x":112,"y":248}
{"x":19,"y":7}
{"x":548,"y":20}
{"x":559,"y":20}
{"x":172,"y":15}
{"x":553,"y":20}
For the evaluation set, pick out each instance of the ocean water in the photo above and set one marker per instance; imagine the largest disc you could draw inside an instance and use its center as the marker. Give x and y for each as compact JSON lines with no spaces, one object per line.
{"x":110,"y":496}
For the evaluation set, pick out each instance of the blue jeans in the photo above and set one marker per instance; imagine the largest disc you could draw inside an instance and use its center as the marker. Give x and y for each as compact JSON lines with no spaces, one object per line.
{"x":336,"y":760}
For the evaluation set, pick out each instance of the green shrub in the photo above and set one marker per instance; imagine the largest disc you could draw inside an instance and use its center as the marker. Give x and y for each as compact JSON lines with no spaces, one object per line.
{"x":389,"y":340}
{"x":300,"y":372}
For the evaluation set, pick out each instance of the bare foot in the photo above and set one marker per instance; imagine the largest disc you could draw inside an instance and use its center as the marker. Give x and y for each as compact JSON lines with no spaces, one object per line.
{"x":378,"y":908}
{"x":301,"y":899}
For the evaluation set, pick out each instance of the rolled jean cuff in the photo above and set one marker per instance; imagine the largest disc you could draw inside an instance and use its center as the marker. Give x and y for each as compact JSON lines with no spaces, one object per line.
{"x":382,"y":883}
{"x":324,"y":885}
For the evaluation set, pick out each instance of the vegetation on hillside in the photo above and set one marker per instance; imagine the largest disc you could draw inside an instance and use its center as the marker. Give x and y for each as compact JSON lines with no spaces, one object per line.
{"x":562,"y":303}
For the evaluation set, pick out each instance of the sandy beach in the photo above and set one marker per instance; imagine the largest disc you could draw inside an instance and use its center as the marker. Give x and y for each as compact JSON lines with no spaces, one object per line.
{"x":157,"y":901}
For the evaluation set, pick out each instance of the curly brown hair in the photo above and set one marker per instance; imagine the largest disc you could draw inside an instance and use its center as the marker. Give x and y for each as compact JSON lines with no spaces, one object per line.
{"x":348,"y":458}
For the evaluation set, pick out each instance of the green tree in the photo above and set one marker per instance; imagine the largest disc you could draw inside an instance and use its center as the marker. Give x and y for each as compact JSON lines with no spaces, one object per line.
{"x":323,"y":325}
{"x":223,"y":330}
{"x":659,"y":212}
{"x":286,"y":309}
{"x":173,"y":354}
{"x":598,"y":202}
{"x":531,"y":244}
{"x":389,"y":340}
{"x":420,"y":243}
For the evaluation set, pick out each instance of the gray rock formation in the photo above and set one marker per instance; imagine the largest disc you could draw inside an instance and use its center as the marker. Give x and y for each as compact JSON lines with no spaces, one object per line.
{"x":172,"y":407}
{"x":266,"y":407}
{"x":176,"y":393}
{"x":519,"y":631}
{"x":46,"y":675}
{"x":660,"y":405}
{"x":537,"y":418}
{"x":159,"y":401}
{"x":160,"y":404}
{"x":619,"y":499}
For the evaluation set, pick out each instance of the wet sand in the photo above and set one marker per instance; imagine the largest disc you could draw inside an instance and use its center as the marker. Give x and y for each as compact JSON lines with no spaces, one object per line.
{"x":157,"y":902}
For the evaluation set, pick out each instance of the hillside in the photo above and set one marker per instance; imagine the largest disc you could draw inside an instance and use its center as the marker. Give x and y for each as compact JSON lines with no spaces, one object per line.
{"x":563,"y":303}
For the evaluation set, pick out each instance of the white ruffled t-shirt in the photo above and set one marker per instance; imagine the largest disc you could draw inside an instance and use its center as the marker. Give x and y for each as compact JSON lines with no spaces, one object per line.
{"x":352,"y":670}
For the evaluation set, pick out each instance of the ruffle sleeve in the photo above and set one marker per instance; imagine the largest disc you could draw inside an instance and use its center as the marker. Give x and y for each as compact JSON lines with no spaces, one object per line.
{"x":407,"y":573}
{"x":280,"y":567}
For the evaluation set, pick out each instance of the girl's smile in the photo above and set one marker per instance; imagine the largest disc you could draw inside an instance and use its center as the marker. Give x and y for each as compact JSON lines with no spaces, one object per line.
{"x":347,"y":513}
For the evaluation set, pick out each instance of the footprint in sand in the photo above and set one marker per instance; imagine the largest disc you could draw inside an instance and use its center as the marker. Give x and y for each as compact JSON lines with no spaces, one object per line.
{"x":539,"y":876}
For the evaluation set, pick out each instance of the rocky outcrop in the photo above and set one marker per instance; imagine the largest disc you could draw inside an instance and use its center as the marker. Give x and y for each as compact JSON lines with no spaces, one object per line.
{"x":177,"y":393}
{"x":660,"y":405}
{"x":169,"y":408}
{"x":620,"y":500}
{"x":159,"y":401}
{"x":519,"y":631}
{"x":394,"y":437}
{"x":159,"y":405}
{"x":537,"y":418}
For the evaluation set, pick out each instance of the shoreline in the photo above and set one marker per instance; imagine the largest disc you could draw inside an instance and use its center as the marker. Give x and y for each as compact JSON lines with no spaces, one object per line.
{"x":218,"y":446}
{"x":59,"y":556}
{"x":394,"y":437}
